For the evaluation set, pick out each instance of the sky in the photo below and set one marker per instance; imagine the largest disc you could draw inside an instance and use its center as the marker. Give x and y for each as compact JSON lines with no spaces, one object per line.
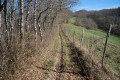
{"x":95,"y":5}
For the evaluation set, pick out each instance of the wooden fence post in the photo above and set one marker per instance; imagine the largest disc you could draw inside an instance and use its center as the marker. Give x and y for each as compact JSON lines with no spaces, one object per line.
{"x":107,"y":38}
{"x":82,"y":38}
{"x":74,"y":37}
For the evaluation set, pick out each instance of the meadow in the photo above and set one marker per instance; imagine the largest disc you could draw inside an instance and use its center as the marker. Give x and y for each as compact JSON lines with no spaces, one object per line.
{"x":96,"y":39}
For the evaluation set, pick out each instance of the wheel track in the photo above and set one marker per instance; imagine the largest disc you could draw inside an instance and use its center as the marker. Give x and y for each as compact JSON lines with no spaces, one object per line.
{"x":73,"y":70}
{"x":85,"y":71}
{"x":61,"y":67}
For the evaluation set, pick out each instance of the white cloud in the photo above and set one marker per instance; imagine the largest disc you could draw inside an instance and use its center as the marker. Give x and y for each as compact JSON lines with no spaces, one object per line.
{"x":110,"y":7}
{"x":83,"y":7}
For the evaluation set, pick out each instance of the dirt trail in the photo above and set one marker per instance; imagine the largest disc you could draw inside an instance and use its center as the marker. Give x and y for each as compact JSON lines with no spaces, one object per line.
{"x":72,"y":63}
{"x":66,"y":68}
{"x":77,"y":58}
{"x":59,"y":63}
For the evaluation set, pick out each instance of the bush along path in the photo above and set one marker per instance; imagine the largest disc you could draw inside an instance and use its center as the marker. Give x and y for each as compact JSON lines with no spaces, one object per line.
{"x":42,"y":64}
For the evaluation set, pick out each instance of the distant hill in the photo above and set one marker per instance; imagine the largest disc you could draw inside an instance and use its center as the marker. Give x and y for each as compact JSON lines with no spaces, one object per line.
{"x":103,"y":18}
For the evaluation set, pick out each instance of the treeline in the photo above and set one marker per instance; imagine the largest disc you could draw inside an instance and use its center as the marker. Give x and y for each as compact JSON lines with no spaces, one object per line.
{"x":103,"y":18}
{"x":88,"y":23}
{"x":24,"y":26}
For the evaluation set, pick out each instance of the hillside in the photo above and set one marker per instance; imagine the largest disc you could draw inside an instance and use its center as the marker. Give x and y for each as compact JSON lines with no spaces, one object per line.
{"x":103,"y":18}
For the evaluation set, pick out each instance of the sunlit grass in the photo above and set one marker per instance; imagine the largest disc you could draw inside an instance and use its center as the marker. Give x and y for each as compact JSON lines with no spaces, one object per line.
{"x":72,"y":20}
{"x":112,"y":52}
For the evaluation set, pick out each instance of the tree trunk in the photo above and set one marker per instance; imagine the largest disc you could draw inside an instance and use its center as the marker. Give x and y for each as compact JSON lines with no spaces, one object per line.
{"x":35,"y":21}
{"x":41,"y":35}
{"x":12,"y":17}
{"x":0,"y":28}
{"x":22,"y":19}
{"x":6,"y":25}
{"x":5,"y":17}
{"x":2,"y":40}
{"x":107,"y":38}
{"x":27,"y":23}
{"x":12,"y":21}
{"x":0,"y":23}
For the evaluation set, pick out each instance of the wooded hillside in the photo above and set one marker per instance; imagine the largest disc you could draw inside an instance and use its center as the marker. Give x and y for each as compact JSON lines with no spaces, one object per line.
{"x":103,"y":18}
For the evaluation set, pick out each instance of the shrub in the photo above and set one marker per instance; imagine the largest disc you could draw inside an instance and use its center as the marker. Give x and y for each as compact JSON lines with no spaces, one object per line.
{"x":86,"y":22}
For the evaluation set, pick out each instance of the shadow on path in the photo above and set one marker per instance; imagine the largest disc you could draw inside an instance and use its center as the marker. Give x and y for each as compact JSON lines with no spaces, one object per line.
{"x":47,"y":69}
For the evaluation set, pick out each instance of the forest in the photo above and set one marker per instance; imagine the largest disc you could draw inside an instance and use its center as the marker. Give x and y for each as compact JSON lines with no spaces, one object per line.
{"x":103,"y":18}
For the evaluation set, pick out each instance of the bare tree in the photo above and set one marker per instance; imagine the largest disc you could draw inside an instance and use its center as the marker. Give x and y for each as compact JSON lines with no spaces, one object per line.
{"x":6,"y":24}
{"x":0,"y":22}
{"x":21,"y":19}
{"x":35,"y":21}
{"x":12,"y":19}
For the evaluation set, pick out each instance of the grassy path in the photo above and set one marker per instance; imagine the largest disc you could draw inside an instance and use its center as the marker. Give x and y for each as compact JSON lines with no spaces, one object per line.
{"x":113,"y":49}
{"x":55,"y":62}
{"x":72,"y":63}
{"x":67,"y":67}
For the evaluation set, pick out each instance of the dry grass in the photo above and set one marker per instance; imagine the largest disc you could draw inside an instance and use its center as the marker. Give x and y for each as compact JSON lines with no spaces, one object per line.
{"x":92,"y":65}
{"x":17,"y":59}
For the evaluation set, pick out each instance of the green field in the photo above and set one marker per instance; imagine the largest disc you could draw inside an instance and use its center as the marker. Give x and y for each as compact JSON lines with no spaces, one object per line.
{"x":113,"y":49}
